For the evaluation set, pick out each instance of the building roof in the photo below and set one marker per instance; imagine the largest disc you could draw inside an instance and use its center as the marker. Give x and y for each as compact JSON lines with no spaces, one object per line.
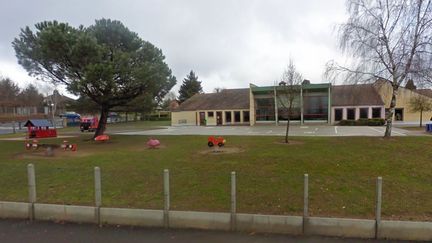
{"x":425,"y":92}
{"x":355,"y":95}
{"x":227,"y":99}
{"x":37,"y":123}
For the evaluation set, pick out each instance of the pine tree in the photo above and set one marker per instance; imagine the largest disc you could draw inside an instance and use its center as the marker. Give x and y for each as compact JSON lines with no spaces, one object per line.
{"x":190,"y":87}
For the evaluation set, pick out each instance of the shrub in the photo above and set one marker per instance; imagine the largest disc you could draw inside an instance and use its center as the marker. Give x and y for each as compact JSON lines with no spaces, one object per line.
{"x":376,"y":122}
{"x":347,"y":123}
{"x":363,"y":122}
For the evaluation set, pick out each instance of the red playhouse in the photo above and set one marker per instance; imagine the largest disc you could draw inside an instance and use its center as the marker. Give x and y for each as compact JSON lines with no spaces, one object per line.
{"x":89,"y":124}
{"x":39,"y":128}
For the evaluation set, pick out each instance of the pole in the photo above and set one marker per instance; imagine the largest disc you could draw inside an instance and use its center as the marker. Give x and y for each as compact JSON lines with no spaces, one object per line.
{"x":378,"y":205}
{"x":32,"y":189}
{"x":233,"y":201}
{"x":166,"y":198}
{"x":305,"y":200}
{"x":98,"y":192}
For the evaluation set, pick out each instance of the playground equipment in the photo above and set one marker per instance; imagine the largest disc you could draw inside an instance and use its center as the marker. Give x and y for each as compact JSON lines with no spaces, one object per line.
{"x":219,"y":141}
{"x":89,"y":124}
{"x":39,"y":128}
{"x":102,"y":138}
{"x":35,"y":145}
{"x":153,"y":143}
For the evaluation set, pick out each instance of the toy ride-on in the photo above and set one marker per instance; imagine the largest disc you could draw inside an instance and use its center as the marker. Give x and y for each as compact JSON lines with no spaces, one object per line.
{"x":213,"y":141}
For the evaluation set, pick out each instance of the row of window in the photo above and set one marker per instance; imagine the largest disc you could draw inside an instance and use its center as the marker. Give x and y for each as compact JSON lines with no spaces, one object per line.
{"x":228,"y":116}
{"x":351,"y":113}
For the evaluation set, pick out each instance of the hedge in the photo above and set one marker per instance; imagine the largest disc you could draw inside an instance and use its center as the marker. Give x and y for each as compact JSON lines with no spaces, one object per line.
{"x":363,"y":122}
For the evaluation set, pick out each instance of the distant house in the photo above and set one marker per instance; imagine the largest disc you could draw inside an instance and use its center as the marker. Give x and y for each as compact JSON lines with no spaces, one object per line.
{"x":57,"y":103}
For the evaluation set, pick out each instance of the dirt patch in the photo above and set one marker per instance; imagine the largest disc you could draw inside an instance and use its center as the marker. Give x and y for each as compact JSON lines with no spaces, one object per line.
{"x":223,"y":150}
{"x":291,"y":142}
{"x":55,"y":154}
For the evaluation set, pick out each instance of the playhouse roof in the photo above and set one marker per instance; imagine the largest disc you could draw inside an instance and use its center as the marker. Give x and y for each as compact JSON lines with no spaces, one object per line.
{"x":37,"y":123}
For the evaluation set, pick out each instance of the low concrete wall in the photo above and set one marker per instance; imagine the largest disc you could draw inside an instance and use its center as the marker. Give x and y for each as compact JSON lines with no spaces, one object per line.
{"x":199,"y":220}
{"x":136,"y":217}
{"x":78,"y":214}
{"x":405,"y":230}
{"x":16,"y":210}
{"x":270,"y":223}
{"x":354,"y":228}
{"x":338,"y":227}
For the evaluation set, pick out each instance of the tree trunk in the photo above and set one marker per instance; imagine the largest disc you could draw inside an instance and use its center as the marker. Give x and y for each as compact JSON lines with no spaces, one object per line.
{"x":102,"y":122}
{"x":288,"y":124}
{"x":389,"y":118}
{"x":421,"y":118}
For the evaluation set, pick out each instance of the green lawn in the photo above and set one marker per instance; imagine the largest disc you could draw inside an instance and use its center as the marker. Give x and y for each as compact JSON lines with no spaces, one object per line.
{"x":342,"y":174}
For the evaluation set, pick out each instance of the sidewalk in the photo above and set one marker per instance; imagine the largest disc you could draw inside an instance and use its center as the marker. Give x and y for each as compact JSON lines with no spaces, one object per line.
{"x":24,"y":231}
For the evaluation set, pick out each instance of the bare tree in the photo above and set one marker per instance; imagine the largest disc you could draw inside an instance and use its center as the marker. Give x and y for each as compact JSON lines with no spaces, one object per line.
{"x":287,"y":92}
{"x":218,"y":89}
{"x":388,"y":40}
{"x":420,"y":103}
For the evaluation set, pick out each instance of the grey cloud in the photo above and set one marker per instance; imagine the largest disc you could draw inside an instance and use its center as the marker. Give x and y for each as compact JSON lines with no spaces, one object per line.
{"x":236,"y":41}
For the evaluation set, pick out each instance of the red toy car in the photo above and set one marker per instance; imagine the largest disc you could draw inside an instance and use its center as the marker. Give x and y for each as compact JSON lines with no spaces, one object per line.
{"x":219,"y":141}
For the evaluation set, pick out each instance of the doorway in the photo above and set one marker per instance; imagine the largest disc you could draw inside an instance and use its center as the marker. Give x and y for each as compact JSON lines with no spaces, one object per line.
{"x":219,"y":118}
{"x":398,"y":114}
{"x":202,"y":119}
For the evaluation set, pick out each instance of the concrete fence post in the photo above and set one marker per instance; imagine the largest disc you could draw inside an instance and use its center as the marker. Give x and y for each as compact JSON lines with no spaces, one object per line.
{"x":305,"y":200}
{"x":166,"y":197}
{"x":32,"y":189}
{"x":233,"y":201}
{"x":98,"y":192}
{"x":378,"y":205}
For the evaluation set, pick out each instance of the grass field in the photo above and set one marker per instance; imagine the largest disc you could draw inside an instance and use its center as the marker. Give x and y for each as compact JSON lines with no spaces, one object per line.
{"x":342,"y":174}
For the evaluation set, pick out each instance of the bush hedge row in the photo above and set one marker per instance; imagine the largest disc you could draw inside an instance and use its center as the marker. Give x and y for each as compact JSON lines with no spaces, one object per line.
{"x":363,"y":122}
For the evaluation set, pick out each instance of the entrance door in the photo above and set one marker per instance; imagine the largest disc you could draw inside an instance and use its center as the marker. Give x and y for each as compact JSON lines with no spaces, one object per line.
{"x":219,"y":118}
{"x":202,"y":118}
{"x":398,"y":114}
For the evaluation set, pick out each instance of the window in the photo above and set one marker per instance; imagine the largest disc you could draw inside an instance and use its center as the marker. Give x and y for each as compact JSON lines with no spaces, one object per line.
{"x":338,"y":114}
{"x":376,"y":112}
{"x":236,"y":116}
{"x":245,"y":116}
{"x":364,"y":113}
{"x":351,"y":114}
{"x":227,"y":116}
{"x":315,"y":105}
{"x":265,"y":110}
{"x":210,"y":114}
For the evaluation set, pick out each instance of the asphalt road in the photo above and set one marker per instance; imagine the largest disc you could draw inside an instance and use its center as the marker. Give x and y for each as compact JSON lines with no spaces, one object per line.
{"x":12,"y":231}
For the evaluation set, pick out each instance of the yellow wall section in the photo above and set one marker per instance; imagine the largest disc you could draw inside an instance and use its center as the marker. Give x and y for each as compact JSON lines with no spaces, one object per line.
{"x":183,"y":118}
{"x":402,"y":101}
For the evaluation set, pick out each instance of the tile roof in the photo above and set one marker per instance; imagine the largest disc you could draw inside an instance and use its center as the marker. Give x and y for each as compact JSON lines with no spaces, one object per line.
{"x":425,"y":92}
{"x":227,"y":99}
{"x":355,"y":95}
{"x":37,"y":123}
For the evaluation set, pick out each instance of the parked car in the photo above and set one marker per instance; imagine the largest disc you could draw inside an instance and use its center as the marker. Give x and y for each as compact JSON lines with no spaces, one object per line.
{"x":89,"y":124}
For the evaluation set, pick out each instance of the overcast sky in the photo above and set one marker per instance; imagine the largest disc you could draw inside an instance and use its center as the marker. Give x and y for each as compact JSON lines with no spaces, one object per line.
{"x":228,"y":43}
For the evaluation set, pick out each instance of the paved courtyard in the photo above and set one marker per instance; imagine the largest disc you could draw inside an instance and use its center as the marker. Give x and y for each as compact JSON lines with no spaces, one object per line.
{"x":296,"y":130}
